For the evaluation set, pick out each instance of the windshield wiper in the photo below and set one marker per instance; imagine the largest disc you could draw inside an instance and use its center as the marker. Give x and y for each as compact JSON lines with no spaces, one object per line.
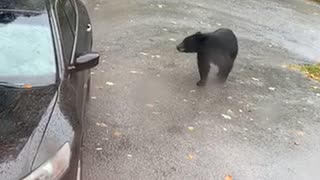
{"x":10,"y":85}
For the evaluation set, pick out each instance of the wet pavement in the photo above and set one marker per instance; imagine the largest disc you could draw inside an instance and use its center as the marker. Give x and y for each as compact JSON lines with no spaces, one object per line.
{"x":148,"y":120}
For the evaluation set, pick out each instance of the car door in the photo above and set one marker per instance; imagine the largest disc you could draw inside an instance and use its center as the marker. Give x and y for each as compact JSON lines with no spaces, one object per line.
{"x":85,"y":29}
{"x":68,"y":22}
{"x":84,"y":37}
{"x":73,"y":85}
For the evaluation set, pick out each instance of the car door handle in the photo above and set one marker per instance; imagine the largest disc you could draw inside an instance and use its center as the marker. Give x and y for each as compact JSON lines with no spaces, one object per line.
{"x":89,"y":28}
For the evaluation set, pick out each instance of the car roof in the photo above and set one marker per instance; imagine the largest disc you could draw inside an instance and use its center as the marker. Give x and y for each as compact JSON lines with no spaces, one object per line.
{"x":21,"y":5}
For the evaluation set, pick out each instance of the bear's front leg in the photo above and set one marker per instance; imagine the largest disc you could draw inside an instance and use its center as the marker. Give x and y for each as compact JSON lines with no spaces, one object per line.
{"x":204,"y":69}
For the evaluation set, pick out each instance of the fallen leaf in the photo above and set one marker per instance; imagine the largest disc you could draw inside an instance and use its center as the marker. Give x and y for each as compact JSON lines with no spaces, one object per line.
{"x":136,"y":72}
{"x":150,"y":105}
{"x":172,"y":39}
{"x":117,"y":134}
{"x":99,"y":149}
{"x":103,"y":125}
{"x":226,"y":116}
{"x":110,"y":83}
{"x":165,"y":29}
{"x":191,"y":128}
{"x":143,"y":53}
{"x":272,"y":88}
{"x":255,"y":79}
{"x":190,"y":156}
{"x":228,"y":177}
{"x":129,"y":155}
{"x":300,"y":133}
{"x":93,"y":97}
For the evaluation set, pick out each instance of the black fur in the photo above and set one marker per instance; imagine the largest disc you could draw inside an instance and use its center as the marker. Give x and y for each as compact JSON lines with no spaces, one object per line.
{"x":219,"y":47}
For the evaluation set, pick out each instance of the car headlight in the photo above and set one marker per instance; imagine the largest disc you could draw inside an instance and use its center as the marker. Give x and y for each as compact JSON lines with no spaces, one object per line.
{"x":54,"y":168}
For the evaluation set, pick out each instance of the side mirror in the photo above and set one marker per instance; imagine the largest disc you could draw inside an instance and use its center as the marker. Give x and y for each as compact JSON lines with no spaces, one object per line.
{"x":85,"y":61}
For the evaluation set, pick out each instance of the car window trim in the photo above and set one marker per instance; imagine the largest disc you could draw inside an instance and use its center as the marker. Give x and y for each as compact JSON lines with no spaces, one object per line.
{"x":72,"y":62}
{"x":56,"y":39}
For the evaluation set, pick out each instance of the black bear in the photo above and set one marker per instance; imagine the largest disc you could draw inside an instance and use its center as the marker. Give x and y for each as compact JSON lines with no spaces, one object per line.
{"x":219,"y":47}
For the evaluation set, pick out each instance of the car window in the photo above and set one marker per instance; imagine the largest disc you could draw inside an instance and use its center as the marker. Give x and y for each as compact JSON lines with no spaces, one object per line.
{"x":26,"y":48}
{"x":71,"y":14}
{"x":23,"y":5}
{"x":66,"y":25}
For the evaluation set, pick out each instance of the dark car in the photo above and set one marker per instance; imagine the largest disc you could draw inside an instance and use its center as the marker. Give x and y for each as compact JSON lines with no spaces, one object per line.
{"x":45,"y":61}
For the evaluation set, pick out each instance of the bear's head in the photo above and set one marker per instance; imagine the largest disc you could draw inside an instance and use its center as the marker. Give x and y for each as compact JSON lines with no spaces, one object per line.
{"x":191,"y":44}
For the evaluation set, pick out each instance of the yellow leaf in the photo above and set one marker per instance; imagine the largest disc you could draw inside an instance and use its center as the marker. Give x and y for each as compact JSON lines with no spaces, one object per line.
{"x":27,"y":86}
{"x":117,"y":134}
{"x":190,"y":156}
{"x":228,"y":177}
{"x":300,"y":133}
{"x":191,"y":128}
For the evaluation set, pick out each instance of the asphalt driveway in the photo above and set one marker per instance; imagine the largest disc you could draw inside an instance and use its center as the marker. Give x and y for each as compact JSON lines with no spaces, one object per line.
{"x":148,"y":120}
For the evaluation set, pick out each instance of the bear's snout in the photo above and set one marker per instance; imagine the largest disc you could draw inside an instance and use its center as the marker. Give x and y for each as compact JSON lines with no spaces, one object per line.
{"x":180,"y":47}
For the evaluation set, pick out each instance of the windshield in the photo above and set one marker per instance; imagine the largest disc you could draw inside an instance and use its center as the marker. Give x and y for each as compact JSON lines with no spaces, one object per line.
{"x":26,"y":49}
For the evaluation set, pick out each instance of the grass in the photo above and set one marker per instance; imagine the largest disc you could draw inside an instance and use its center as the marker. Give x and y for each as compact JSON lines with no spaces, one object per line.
{"x":317,"y":1}
{"x":310,"y":70}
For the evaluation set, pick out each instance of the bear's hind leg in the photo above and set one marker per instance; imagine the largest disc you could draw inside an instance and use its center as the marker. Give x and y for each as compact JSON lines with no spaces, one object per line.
{"x":224,"y":70}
